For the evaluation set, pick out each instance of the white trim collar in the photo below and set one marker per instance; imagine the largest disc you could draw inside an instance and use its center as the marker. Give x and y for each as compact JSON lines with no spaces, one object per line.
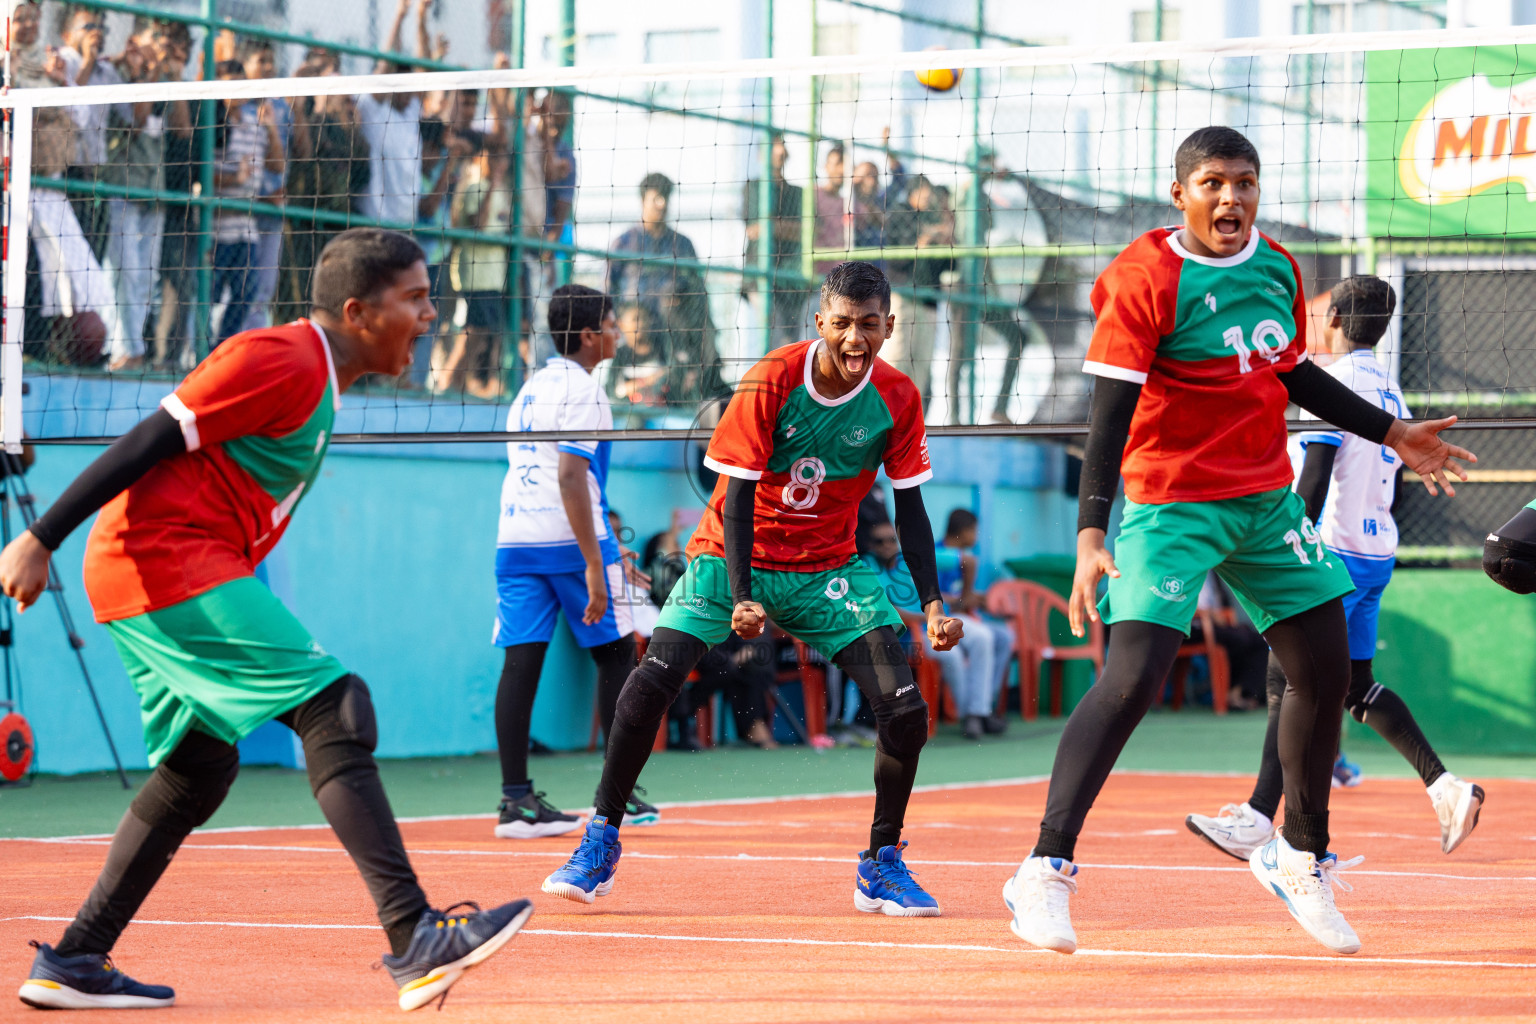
{"x":330,"y":363}
{"x":1251,"y":247}
{"x":810,"y":387}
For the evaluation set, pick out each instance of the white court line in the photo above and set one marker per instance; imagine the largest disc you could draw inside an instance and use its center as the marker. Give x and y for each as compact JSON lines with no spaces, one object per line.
{"x":864,"y":944}
{"x":787,"y":859}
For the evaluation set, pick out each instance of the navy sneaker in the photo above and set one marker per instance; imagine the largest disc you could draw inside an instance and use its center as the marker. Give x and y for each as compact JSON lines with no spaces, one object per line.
{"x":86,"y":982}
{"x":445,"y":944}
{"x":885,"y":885}
{"x":640,"y":812}
{"x":589,"y":872}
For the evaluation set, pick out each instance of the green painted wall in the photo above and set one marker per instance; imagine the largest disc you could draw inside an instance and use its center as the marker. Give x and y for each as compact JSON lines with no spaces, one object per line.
{"x":1462,"y":653}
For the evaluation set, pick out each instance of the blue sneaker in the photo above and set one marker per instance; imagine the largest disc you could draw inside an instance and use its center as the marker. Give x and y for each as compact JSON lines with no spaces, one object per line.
{"x":1346,"y":774}
{"x":86,"y":982}
{"x":445,"y":945}
{"x":885,"y":886}
{"x":589,"y":872}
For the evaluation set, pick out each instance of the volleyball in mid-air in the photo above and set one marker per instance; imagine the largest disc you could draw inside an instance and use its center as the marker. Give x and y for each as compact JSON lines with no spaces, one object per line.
{"x":938,"y":79}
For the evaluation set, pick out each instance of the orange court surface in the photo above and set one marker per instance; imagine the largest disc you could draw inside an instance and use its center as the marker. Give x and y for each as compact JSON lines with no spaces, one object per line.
{"x":743,"y":911}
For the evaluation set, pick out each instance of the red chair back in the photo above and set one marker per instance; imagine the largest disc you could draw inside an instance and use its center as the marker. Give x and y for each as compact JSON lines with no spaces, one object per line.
{"x":1027,"y":607}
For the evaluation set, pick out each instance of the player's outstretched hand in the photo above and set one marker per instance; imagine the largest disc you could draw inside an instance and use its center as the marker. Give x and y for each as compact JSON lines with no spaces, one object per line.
{"x":24,"y":570}
{"x":597,"y":595}
{"x":1093,"y":562}
{"x":1424,"y":452}
{"x":748,"y":619}
{"x":944,"y":632}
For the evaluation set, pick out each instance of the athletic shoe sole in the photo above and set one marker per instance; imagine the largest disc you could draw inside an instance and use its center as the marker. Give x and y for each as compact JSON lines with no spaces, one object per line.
{"x":1260,"y":873}
{"x":51,"y":995}
{"x":575,"y":893}
{"x":1055,"y":943}
{"x":1230,"y":851}
{"x":648,"y":818}
{"x":890,"y":908}
{"x":537,"y":829}
{"x":429,"y":987}
{"x":1467,"y":813}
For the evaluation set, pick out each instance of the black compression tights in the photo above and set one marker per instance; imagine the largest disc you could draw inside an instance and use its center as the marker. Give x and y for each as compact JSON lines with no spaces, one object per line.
{"x":1313,"y":647}
{"x":877,"y":662}
{"x":1371,"y":703}
{"x":519,"y":685}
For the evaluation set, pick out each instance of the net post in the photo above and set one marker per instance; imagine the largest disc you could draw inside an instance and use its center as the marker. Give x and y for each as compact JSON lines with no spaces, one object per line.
{"x":207,"y":117}
{"x":18,"y":202}
{"x":808,"y":194}
{"x":974,"y":272}
{"x":765,"y":196}
{"x":512,"y":368}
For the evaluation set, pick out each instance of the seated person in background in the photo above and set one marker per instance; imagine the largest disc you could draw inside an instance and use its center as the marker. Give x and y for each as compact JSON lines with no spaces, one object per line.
{"x":1247,"y":652}
{"x":987,"y":644}
{"x":638,"y":373}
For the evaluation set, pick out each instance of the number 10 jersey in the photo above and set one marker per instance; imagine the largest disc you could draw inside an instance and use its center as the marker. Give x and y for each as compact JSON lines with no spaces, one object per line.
{"x":1206,"y":338}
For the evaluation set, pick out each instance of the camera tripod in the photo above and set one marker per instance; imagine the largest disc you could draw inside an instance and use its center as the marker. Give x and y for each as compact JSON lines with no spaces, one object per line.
{"x":14,"y":487}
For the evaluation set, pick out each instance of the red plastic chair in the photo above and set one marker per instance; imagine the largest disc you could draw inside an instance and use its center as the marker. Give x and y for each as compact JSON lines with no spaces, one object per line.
{"x":1027,"y":607}
{"x":1215,"y":656}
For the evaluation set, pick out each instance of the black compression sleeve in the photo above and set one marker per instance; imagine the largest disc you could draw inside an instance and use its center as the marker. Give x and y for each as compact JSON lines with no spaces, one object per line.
{"x":1324,"y":396}
{"x":736,"y":517}
{"x":131,"y":456}
{"x":916,"y":534}
{"x":1316,"y":472}
{"x":1114,"y":403}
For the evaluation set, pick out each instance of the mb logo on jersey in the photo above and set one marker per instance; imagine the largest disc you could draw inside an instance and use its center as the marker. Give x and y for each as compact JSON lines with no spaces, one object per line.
{"x":1171,"y":589}
{"x":858,"y":437}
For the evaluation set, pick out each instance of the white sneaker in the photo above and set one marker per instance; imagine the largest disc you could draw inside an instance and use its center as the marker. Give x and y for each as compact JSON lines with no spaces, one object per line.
{"x":1238,"y":830}
{"x":1037,"y":896}
{"x":1457,"y":804}
{"x":1305,"y":885}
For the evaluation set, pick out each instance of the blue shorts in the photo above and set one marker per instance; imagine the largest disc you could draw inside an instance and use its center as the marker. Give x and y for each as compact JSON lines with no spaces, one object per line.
{"x":526,"y":604}
{"x":1363,"y":607}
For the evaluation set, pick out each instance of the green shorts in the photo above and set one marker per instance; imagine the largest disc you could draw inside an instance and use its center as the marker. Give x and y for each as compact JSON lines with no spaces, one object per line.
{"x":1262,"y":545}
{"x":224,"y":662}
{"x":828,"y":610}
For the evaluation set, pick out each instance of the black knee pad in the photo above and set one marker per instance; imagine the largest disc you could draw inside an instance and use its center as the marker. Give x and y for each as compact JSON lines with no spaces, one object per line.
{"x":338,"y":729}
{"x":189,"y":785}
{"x":901,"y":725}
{"x":1510,"y":562}
{"x":649,"y":692}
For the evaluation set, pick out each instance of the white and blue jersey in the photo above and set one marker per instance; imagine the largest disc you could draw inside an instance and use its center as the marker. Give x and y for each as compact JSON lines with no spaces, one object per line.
{"x":1356,"y":522}
{"x":539,"y":566}
{"x":534,"y":535}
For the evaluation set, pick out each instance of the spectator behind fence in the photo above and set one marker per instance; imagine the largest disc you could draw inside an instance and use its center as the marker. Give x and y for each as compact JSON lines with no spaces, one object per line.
{"x":831,"y":211}
{"x":638,"y":372}
{"x":444,"y":150}
{"x":136,"y":159}
{"x":918,"y":221}
{"x":786,"y":313}
{"x":258,"y":59}
{"x":867,"y":207}
{"x":85,"y":36}
{"x":178,"y":251}
{"x":391,"y":122}
{"x":246,"y":143}
{"x":644,"y":268}
{"x":987,"y":644}
{"x":328,"y":166}
{"x":483,"y":204}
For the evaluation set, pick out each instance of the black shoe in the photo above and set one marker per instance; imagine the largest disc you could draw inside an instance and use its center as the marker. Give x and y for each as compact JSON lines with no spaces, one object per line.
{"x":445,"y":945}
{"x":994,"y":725}
{"x":531,"y":816}
{"x":638,"y":812}
{"x":973,"y":727}
{"x":86,"y":982}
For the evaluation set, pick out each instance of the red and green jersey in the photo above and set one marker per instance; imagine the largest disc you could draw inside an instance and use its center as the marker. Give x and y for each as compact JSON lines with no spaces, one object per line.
{"x":1206,"y":338}
{"x":256,"y":416}
{"x":814,"y":458}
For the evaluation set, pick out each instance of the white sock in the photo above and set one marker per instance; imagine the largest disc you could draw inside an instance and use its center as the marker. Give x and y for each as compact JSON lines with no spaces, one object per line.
{"x":1437,"y":788}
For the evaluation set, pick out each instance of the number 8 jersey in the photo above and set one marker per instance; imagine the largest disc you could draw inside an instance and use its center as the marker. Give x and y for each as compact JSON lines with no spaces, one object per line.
{"x":1206,"y":338}
{"x":814,"y":458}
